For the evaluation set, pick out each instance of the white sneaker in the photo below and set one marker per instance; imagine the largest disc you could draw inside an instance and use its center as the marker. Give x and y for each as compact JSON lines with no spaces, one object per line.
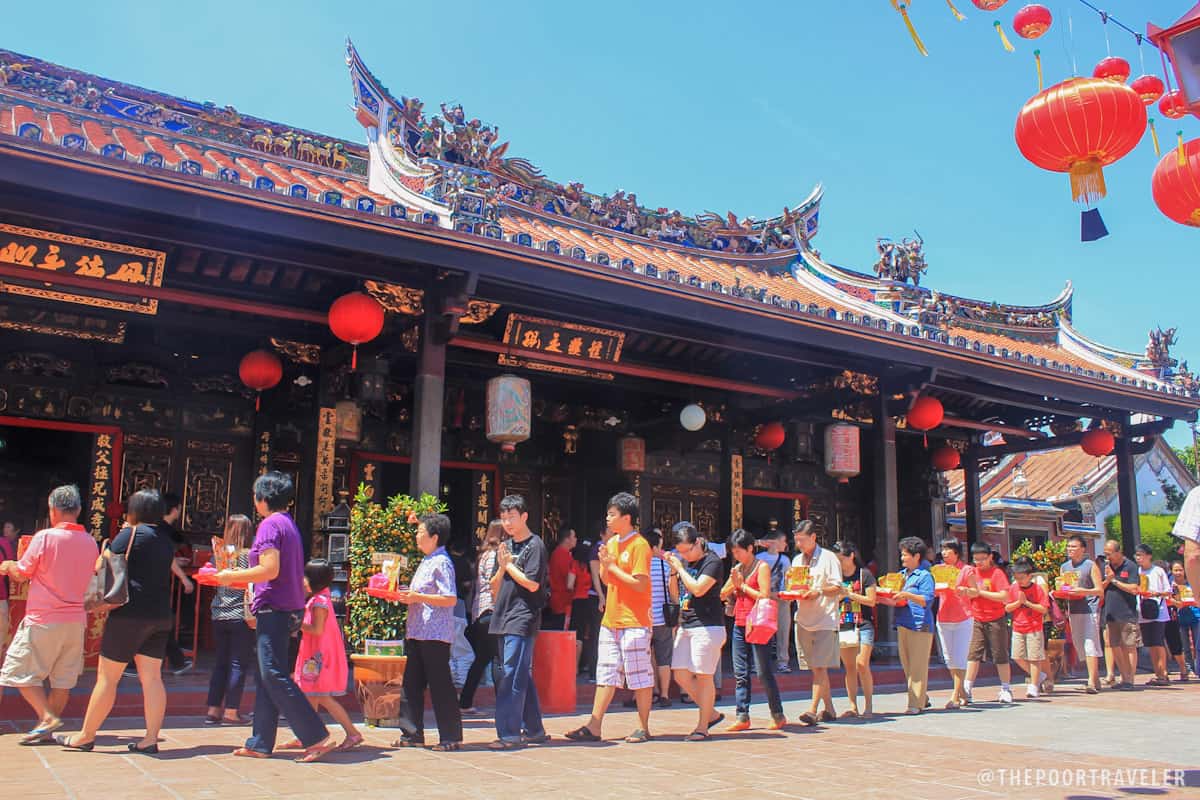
{"x":1031,"y":691}
{"x":1005,"y":696}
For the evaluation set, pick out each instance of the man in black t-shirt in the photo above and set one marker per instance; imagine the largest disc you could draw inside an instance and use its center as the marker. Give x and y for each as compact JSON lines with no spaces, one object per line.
{"x":1121,"y":583}
{"x":177,"y":662}
{"x":519,"y":587}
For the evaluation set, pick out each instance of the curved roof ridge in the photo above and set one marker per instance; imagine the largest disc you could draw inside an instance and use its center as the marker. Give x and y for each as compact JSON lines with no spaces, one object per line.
{"x":832,"y":292}
{"x":1099,"y":348}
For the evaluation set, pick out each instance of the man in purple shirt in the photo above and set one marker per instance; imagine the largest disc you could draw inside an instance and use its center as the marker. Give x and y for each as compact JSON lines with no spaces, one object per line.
{"x":277,"y":571}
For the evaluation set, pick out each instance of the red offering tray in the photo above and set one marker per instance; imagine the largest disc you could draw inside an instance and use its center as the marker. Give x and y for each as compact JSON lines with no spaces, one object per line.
{"x":384,"y":594}
{"x":1067,"y":594}
{"x":210,"y":579}
{"x":1189,"y":602}
{"x":886,"y":595}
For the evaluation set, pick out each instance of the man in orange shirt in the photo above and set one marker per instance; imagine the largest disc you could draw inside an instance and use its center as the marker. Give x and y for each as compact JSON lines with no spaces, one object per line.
{"x":625,"y":631}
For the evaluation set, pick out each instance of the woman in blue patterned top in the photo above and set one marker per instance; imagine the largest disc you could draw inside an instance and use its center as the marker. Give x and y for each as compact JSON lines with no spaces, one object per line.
{"x":914,"y":621}
{"x":431,"y":598}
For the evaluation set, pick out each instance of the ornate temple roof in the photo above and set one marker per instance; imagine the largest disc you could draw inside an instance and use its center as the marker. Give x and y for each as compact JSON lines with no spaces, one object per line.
{"x":453,"y":172}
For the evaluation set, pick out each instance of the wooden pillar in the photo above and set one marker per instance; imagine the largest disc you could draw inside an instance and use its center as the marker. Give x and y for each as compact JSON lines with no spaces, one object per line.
{"x":1127,"y":494}
{"x":974,"y":502}
{"x":887,"y":507}
{"x":429,"y":389}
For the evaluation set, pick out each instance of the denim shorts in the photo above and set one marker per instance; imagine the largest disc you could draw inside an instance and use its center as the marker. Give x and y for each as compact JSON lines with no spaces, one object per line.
{"x":866,"y":636}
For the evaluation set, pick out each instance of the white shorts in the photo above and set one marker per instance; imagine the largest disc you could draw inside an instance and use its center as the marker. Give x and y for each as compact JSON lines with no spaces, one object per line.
{"x":955,"y":641}
{"x":1085,"y":634}
{"x":623,"y":658}
{"x":698,"y":650}
{"x":39,"y":653}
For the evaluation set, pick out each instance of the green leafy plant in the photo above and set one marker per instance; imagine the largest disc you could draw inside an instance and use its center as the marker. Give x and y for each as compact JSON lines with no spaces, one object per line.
{"x":1156,"y":532}
{"x":381,"y":528}
{"x":1048,"y":560}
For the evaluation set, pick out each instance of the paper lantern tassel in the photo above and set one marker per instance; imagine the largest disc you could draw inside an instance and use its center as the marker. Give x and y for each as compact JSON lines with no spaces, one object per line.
{"x":912,"y":31}
{"x":354,"y":359}
{"x":1003,"y":38}
{"x":958,"y":16}
{"x":1037,"y":57}
{"x":1154,"y":138}
{"x":1182,"y":151}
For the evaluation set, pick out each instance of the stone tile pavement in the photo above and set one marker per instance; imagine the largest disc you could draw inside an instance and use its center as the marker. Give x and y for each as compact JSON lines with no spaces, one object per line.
{"x":1073,"y":746}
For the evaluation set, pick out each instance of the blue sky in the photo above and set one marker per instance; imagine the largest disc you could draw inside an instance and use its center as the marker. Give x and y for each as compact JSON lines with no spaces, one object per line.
{"x":700,"y":106}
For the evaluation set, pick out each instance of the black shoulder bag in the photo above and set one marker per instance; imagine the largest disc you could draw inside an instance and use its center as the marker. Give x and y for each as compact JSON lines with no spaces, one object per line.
{"x":109,"y":587}
{"x":670,"y":611}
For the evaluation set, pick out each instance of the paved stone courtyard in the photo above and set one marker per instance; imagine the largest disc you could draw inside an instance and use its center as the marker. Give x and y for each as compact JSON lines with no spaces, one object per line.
{"x":1115,"y":745}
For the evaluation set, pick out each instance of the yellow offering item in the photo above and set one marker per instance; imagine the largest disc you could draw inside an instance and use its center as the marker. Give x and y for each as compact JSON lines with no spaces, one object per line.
{"x":392,"y":570}
{"x":798,"y":578}
{"x":944,"y":574}
{"x":893,"y":582}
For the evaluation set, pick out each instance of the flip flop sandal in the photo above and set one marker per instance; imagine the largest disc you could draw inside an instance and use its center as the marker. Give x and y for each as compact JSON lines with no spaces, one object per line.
{"x":211,"y":719}
{"x":500,"y":744}
{"x":582,"y":734}
{"x":293,"y":744}
{"x":638,"y":737}
{"x":351,"y":742}
{"x":317,"y":752}
{"x":850,"y":714}
{"x":246,"y":752}
{"x":828,"y":716}
{"x":447,"y":747}
{"x":408,"y":741}
{"x":64,"y":741}
{"x":697,"y":736}
{"x":717,"y":720}
{"x":807,"y":720}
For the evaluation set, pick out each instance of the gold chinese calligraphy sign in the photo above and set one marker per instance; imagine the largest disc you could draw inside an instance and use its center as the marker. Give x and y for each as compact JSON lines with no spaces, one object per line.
{"x":548,"y":336}
{"x":46,"y":253}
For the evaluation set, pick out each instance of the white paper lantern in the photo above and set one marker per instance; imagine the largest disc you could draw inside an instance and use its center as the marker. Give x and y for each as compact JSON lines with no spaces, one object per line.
{"x":692,"y":417}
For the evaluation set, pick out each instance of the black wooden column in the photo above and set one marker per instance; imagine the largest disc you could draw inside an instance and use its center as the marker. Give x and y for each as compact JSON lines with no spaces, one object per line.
{"x":887,"y":507}
{"x":429,"y":390}
{"x":1127,"y":494}
{"x":973,"y":500}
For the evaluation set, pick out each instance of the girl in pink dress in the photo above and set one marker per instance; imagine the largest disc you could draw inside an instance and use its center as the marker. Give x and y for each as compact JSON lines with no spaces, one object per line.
{"x":321,"y":671}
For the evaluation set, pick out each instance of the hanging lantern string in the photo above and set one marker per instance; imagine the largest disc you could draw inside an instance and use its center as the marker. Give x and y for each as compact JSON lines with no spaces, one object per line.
{"x":1166,"y":70}
{"x":1154,"y":138}
{"x":1141,"y":52}
{"x":1037,"y":57}
{"x":1107,"y":17}
{"x":1104,"y":25}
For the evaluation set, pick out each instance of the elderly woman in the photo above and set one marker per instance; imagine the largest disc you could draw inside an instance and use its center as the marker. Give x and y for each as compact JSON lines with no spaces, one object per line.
{"x":137,"y":631}
{"x":429,"y":630}
{"x":914,"y":621}
{"x":276,"y":568}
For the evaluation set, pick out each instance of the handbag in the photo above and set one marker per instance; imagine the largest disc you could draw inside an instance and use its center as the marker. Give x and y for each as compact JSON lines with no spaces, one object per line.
{"x":1149,"y":608}
{"x":109,"y":587}
{"x":670,"y":611}
{"x":762,"y":622}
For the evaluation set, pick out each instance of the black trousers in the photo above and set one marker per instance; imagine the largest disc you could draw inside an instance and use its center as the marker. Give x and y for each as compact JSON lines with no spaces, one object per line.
{"x":484,"y":645}
{"x":429,"y":667}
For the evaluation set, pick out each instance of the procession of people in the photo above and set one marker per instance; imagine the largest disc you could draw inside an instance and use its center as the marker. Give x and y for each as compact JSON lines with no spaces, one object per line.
{"x":671,"y":604}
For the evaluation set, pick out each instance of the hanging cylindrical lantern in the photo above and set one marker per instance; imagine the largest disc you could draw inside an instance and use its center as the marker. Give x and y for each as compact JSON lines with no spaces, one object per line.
{"x":1080,"y":126}
{"x":1176,"y":185}
{"x":842,"y":458}
{"x":632,"y":453}
{"x":260,"y":370}
{"x":926,"y":413}
{"x":692,"y":417}
{"x":509,"y":411}
{"x":1173,"y":105}
{"x":945,"y":458}
{"x":1097,"y":442}
{"x":770,"y":436}
{"x":1113,"y":69}
{"x":1032,"y":21}
{"x":348,"y":421}
{"x":1149,"y":87}
{"x":356,"y":318}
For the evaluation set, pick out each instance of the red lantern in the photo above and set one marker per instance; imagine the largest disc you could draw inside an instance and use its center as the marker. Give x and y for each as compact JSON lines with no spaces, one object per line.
{"x":1032,"y":21}
{"x":1113,"y":69}
{"x":1148,"y":87}
{"x":989,"y":5}
{"x":260,"y":370}
{"x":356,"y":318}
{"x":926,"y":413}
{"x":945,"y":458}
{"x":770,"y":436}
{"x":1173,"y":105}
{"x":1177,"y":186}
{"x":1080,"y":126}
{"x":1097,"y":442}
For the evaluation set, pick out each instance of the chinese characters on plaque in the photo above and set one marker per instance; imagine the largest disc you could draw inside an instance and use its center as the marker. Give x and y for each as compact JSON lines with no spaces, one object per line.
{"x":551,"y":337}
{"x":483,"y":503}
{"x":326,"y":443}
{"x":45,"y":254}
{"x":735,"y":491}
{"x":102,"y":481}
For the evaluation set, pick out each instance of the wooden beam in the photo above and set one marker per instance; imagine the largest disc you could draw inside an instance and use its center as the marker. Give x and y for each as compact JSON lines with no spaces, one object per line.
{"x":1127,"y":495}
{"x":1145,"y":429}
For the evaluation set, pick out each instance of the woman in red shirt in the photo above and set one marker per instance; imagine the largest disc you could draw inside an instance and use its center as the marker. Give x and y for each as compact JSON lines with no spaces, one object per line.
{"x":954,"y":626}
{"x":750,"y":581}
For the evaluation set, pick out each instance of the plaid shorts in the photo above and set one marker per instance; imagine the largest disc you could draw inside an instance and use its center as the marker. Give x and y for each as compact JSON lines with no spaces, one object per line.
{"x":624,"y":658}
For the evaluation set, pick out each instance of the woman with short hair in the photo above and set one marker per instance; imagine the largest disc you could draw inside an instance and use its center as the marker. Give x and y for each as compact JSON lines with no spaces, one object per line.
{"x":139,"y":630}
{"x":913,"y":621}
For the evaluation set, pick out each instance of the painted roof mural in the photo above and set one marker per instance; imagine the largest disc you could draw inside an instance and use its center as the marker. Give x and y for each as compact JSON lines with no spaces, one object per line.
{"x":440,"y":167}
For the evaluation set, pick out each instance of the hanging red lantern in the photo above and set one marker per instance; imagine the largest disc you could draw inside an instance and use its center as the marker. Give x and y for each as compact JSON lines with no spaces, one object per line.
{"x":770,"y":436}
{"x":1032,"y":21}
{"x":1149,"y":87}
{"x":945,"y":458}
{"x":1173,"y":105}
{"x":1097,"y":442}
{"x":1113,"y":69}
{"x":260,"y":370}
{"x":1176,"y":185}
{"x":356,"y":318}
{"x":1080,"y":126}
{"x":989,"y":5}
{"x":926,"y":413}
